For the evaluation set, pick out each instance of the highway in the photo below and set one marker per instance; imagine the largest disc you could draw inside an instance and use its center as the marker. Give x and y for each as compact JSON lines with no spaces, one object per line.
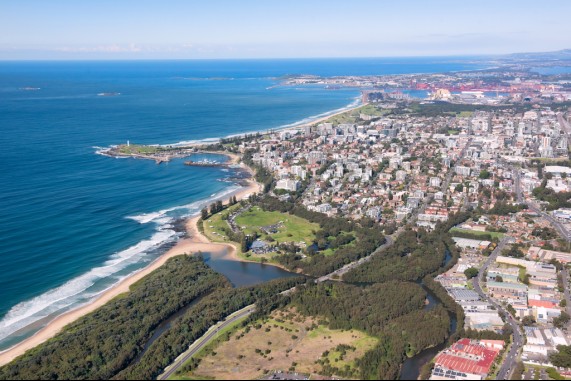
{"x":204,"y":340}
{"x":518,"y":339}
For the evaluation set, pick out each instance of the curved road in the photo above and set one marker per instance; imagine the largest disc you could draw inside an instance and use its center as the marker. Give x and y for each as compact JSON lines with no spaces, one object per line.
{"x":204,"y":340}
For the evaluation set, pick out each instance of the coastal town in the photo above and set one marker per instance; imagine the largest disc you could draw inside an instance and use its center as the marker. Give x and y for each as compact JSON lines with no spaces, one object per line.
{"x":300,"y":190}
{"x":494,"y":147}
{"x":399,"y":161}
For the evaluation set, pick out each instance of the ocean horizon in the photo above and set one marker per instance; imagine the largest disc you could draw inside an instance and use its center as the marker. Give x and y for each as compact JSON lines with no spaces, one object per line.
{"x":75,"y":223}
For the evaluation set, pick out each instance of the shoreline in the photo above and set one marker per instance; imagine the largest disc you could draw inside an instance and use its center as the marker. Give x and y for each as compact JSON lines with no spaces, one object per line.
{"x":109,"y":152}
{"x":195,"y":243}
{"x":292,"y":126}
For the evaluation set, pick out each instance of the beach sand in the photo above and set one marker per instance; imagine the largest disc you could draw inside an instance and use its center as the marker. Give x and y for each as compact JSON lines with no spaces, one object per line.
{"x":196,"y":242}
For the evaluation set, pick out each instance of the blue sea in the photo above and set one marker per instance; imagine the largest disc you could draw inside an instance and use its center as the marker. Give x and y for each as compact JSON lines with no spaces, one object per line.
{"x":72,"y":222}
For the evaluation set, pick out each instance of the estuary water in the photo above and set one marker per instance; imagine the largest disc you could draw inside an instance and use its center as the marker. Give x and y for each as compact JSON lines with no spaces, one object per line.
{"x":74,"y":223}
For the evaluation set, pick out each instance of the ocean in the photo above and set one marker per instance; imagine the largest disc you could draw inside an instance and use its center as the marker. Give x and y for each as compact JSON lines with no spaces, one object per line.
{"x":74,"y":223}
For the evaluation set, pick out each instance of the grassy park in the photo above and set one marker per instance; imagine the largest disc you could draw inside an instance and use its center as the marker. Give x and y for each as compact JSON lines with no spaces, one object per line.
{"x":215,"y":226}
{"x":274,"y":228}
{"x":290,"y":228}
{"x":136,"y":149}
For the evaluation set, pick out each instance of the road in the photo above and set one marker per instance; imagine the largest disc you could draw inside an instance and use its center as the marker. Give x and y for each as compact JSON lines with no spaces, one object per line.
{"x":451,"y":170}
{"x":565,"y":127}
{"x":338,"y":274}
{"x":518,"y":341}
{"x":566,"y":291}
{"x":204,"y":340}
{"x":335,"y":275}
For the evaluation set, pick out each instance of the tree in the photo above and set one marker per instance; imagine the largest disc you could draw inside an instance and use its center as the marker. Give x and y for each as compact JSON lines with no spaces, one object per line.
{"x":562,"y":357}
{"x":563,"y":303}
{"x":528,"y":321}
{"x":484,"y":174}
{"x":471,"y":272}
{"x":459,"y":188}
{"x":562,"y":320}
{"x":514,"y":251}
{"x":204,"y":213}
{"x":511,"y":310}
{"x":518,"y":371}
{"x":499,"y":278}
{"x":243,"y":243}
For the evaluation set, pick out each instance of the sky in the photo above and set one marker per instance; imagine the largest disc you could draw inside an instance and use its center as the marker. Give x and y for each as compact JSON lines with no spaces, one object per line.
{"x":189,"y":29}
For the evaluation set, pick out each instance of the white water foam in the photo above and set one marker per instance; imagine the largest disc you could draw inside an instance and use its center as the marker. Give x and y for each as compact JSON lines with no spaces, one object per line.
{"x":161,"y":217}
{"x":75,"y":292}
{"x":356,"y":102}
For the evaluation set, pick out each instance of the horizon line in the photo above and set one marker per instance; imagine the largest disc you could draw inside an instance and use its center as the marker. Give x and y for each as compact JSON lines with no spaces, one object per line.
{"x":475,"y":55}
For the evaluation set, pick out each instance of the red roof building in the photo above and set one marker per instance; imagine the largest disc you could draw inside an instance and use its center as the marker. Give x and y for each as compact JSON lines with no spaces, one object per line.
{"x":541,"y":303}
{"x":467,"y":356}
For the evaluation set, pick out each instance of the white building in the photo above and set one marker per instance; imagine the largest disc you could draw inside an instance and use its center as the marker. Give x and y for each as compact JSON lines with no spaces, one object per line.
{"x":289,"y":185}
{"x":435,"y":182}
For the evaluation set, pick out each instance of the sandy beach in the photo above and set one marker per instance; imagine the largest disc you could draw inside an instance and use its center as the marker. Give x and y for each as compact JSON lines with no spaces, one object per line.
{"x":196,"y":242}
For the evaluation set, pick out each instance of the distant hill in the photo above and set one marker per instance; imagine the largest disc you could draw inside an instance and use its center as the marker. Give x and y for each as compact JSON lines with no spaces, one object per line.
{"x":564,"y":54}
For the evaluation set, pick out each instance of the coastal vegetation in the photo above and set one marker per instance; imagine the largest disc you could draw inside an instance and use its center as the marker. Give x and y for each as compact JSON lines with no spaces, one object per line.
{"x":391,"y":307}
{"x":105,"y":341}
{"x":284,"y":340}
{"x":413,"y":255}
{"x":115,"y":340}
{"x":196,"y":321}
{"x":392,"y":312}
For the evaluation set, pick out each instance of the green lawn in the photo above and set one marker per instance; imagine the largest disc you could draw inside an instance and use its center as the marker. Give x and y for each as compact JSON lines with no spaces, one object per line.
{"x":478,"y":233}
{"x":293,"y":229}
{"x":138,"y":149}
{"x":215,"y":225}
